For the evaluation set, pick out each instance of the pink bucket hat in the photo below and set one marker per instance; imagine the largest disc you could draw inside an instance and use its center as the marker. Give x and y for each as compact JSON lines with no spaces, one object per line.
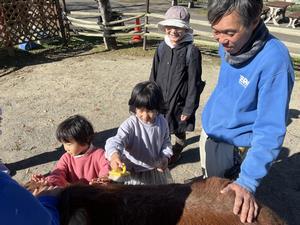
{"x":176,"y":16}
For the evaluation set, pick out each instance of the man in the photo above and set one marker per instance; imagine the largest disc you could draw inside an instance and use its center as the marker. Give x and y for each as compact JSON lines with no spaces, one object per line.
{"x":247,"y":111}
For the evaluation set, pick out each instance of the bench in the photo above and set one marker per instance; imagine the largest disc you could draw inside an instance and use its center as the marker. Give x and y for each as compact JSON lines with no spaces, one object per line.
{"x":294,"y":18}
{"x":190,"y":3}
{"x":277,"y":10}
{"x":264,"y":12}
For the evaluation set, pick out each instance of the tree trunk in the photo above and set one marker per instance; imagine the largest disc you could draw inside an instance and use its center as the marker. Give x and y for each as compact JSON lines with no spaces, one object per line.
{"x":106,"y":14}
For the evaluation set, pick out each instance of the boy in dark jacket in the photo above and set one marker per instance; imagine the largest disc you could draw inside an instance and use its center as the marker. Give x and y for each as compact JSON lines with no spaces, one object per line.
{"x":177,"y":70}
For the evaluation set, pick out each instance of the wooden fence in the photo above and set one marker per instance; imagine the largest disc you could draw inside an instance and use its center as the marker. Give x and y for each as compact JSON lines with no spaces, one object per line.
{"x":127,"y":27}
{"x":29,"y":20}
{"x":86,"y":27}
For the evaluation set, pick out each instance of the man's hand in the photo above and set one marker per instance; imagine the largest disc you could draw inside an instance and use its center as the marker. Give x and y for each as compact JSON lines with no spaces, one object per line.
{"x":115,"y":161}
{"x":244,"y":203}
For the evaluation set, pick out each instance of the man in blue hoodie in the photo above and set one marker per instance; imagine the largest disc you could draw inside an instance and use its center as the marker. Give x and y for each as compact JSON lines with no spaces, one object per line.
{"x":247,"y":111}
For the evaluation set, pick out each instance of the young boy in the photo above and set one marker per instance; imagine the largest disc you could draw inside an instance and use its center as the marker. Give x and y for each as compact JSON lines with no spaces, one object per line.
{"x":177,"y":70}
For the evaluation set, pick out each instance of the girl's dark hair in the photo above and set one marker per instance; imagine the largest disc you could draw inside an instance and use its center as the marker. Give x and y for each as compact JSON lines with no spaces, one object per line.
{"x":147,"y":95}
{"x":76,"y":128}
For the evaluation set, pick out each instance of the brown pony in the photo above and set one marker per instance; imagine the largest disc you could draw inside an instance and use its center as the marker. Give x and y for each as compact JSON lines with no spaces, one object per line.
{"x":196,"y":203}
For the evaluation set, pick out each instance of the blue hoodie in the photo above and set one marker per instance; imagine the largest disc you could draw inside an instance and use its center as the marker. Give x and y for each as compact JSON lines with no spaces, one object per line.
{"x":249,"y":107}
{"x":20,"y":207}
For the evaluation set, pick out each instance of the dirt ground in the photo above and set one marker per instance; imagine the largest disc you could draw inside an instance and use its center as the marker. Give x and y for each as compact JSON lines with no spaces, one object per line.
{"x":41,"y":93}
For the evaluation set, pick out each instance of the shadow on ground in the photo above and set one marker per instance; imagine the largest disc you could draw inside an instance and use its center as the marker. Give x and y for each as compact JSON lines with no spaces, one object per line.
{"x":52,"y":52}
{"x":190,"y":155}
{"x":35,"y":160}
{"x":77,"y":46}
{"x":293,"y":114}
{"x":280,"y":189}
{"x":101,"y":137}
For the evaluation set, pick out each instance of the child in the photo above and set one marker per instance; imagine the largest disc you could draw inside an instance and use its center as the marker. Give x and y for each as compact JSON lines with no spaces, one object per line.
{"x":177,"y":71}
{"x":82,"y":162}
{"x":142,"y":142}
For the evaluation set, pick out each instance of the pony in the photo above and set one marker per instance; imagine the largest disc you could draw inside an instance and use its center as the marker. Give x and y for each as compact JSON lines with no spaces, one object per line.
{"x":194,"y":203}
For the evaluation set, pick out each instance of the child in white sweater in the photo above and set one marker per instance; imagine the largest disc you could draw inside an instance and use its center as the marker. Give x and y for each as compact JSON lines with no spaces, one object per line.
{"x":142,"y":142}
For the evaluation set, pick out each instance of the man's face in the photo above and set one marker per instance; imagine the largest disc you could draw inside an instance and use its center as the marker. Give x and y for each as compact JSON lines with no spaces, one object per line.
{"x":230,"y":32}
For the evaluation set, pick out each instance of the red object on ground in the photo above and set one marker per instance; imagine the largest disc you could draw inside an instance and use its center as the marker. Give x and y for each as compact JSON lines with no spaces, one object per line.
{"x":137,"y":38}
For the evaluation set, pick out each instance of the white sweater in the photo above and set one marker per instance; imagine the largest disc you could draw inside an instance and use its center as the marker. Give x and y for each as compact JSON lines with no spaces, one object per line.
{"x":141,"y":145}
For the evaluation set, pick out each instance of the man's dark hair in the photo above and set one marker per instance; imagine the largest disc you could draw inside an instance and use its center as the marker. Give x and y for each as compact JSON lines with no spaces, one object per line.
{"x":76,"y":128}
{"x":248,"y":10}
{"x":147,"y":95}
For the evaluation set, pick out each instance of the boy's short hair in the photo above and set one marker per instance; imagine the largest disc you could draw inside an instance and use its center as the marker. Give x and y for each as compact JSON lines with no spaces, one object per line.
{"x":147,"y":95}
{"x":76,"y":128}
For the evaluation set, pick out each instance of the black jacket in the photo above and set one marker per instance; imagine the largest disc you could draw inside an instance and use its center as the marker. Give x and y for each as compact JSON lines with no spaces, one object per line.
{"x":181,"y":84}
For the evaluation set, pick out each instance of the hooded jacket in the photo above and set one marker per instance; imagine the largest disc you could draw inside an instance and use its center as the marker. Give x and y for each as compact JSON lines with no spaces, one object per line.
{"x":181,"y":84}
{"x":249,"y":108}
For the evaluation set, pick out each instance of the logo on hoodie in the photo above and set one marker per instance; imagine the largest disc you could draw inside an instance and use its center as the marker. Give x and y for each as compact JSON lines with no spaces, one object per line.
{"x":243,"y":81}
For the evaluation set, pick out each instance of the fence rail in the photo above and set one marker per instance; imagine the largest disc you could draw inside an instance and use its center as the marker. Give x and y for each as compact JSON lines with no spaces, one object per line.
{"x":128,"y":30}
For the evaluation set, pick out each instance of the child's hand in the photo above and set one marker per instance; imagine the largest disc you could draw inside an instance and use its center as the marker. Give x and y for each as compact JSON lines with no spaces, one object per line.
{"x":184,"y":117}
{"x":39,"y":178}
{"x":115,"y":161}
{"x":163,"y":164}
{"x":47,"y":191}
{"x":100,"y":180}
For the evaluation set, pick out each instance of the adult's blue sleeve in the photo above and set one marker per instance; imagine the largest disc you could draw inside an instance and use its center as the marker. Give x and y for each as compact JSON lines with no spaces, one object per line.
{"x":19,"y":206}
